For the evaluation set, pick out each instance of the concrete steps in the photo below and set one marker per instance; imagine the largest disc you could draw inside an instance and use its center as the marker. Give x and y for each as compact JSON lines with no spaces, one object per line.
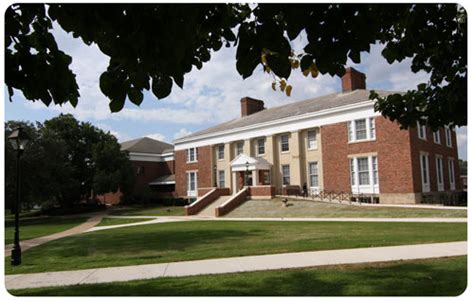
{"x":210,"y":209}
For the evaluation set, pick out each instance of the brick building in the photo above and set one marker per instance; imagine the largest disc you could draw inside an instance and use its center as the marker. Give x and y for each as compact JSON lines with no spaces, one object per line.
{"x":332,"y":143}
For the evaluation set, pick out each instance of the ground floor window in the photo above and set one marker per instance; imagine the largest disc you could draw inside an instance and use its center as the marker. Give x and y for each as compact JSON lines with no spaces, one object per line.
{"x":439,"y":173}
{"x":364,"y":174}
{"x":285,"y":170}
{"x":452,"y":182}
{"x":221,"y":178}
{"x":313,"y":174}
{"x":425,"y":172}
{"x":192,"y":183}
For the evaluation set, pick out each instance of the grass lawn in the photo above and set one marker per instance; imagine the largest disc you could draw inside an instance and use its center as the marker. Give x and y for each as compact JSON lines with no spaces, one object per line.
{"x":40,"y":226}
{"x":120,"y":221}
{"x":302,"y":208}
{"x":431,"y":277}
{"x":156,"y":210}
{"x":192,"y":240}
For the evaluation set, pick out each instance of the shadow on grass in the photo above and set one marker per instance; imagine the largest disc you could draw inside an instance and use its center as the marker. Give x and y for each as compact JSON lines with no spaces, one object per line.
{"x":443,"y":277}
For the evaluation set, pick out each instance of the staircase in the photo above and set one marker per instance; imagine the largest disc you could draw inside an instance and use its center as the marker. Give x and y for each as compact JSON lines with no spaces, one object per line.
{"x":210,"y":209}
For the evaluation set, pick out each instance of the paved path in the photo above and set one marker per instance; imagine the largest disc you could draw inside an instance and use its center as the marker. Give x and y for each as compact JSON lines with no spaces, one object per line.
{"x":30,"y":243}
{"x":168,"y":219}
{"x":237,"y":264}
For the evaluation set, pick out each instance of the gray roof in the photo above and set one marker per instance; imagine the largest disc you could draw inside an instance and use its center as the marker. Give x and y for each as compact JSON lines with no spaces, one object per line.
{"x":146,"y":145}
{"x":292,"y":109}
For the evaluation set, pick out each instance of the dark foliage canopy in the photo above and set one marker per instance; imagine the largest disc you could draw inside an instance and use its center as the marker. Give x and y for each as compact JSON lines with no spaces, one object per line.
{"x":153,"y":45}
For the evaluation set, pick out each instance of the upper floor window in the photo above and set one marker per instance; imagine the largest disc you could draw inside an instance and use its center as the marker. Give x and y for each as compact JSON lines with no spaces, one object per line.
{"x":239,"y":148}
{"x":260,"y":146}
{"x":361,"y":129}
{"x":220,"y":152}
{"x":436,"y":137}
{"x":285,"y":146}
{"x":285,"y":171}
{"x":448,"y":137}
{"x":312,"y":142}
{"x":421,"y":130}
{"x":192,"y":154}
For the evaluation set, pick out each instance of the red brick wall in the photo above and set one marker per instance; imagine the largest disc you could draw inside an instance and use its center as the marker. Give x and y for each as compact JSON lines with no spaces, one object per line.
{"x":203,"y":166}
{"x":152,"y":170}
{"x":267,"y":190}
{"x":419,"y":145}
{"x":393,"y":154}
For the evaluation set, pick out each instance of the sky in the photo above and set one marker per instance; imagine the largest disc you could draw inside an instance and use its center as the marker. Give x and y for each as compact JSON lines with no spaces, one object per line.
{"x":210,"y":96}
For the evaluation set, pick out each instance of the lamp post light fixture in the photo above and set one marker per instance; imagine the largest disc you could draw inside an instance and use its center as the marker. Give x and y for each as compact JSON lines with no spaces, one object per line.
{"x":18,"y":140}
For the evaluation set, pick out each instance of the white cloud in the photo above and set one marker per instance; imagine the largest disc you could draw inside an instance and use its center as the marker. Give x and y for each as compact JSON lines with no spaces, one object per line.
{"x":157,"y":136}
{"x":120,"y":136}
{"x":181,"y":133}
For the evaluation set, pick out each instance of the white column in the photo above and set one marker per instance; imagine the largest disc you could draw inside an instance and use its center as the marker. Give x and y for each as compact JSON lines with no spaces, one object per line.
{"x":234,"y":182}
{"x":254,"y":177}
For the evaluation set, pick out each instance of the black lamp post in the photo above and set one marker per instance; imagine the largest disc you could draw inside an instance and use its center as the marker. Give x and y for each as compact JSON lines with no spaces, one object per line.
{"x":247,"y":173}
{"x":215,"y":176}
{"x":18,"y":139}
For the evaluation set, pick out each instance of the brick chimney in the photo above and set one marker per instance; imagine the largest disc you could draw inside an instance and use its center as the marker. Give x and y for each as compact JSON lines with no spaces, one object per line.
{"x":248,"y":106}
{"x":352,"y":80}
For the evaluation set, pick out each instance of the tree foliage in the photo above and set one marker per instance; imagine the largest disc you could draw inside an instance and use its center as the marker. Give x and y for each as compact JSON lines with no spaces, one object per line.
{"x":153,"y":45}
{"x":65,"y":161}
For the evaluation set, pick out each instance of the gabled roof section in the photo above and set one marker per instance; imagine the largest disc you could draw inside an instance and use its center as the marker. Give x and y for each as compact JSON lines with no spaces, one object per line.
{"x":312,"y":105}
{"x":147,"y":145}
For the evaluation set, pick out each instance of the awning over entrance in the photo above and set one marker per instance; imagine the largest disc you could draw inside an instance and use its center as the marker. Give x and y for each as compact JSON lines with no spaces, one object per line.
{"x":163,"y":180}
{"x":240,"y":163}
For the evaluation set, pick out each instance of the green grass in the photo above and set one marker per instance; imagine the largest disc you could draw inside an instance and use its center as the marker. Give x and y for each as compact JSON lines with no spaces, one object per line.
{"x":432,"y":277}
{"x":193,"y":240}
{"x":302,"y":208}
{"x":33,"y":227}
{"x":149,"y":210}
{"x":121,"y":221}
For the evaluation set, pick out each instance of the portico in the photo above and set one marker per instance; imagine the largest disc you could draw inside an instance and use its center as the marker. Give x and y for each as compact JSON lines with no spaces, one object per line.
{"x":249,"y":171}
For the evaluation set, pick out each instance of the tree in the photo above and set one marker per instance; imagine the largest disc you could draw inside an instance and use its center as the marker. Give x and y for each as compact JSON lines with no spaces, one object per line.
{"x":153,"y":45}
{"x":65,"y":161}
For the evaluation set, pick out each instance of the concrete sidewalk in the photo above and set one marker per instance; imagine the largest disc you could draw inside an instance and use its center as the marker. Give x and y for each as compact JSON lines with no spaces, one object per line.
{"x":168,"y":219}
{"x":237,"y":264}
{"x":30,"y":243}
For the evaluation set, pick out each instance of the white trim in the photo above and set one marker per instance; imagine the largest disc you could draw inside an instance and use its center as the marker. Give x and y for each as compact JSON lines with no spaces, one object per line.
{"x":192,"y":193}
{"x":162,"y":183}
{"x":366,"y":188}
{"x":290,"y":124}
{"x":449,"y":133}
{"x":423,"y":128}
{"x":149,"y":157}
{"x":437,"y":137}
{"x":451,"y":174}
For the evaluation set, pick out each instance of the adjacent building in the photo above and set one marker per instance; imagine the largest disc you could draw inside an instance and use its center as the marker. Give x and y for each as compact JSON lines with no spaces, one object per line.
{"x":334,"y":143}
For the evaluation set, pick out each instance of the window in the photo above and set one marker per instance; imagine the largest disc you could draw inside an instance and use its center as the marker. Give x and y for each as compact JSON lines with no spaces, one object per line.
{"x":425,"y":173}
{"x":192,"y":183}
{"x":284,"y":143}
{"x":312,"y":142}
{"x":436,"y":137}
{"x":192,"y":155}
{"x":221,"y":178}
{"x":421,"y":131}
{"x":313,"y":174}
{"x":140,"y":170}
{"x":239,"y":148}
{"x":364,"y":174}
{"x":452,"y":182}
{"x":285,"y":170}
{"x":261,"y":146}
{"x":439,"y":173}
{"x":361,"y":129}
{"x":448,"y":137}
{"x":220,"y":152}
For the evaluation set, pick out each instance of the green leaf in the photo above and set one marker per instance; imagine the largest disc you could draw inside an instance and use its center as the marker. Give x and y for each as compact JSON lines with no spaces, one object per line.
{"x":135,"y":95}
{"x":161,"y":86}
{"x":116,"y":105}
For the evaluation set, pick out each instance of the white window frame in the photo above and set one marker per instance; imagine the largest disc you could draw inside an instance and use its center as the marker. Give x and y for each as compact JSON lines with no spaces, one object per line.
{"x":370,"y":130}
{"x":373,"y":186}
{"x":312,"y":141}
{"x":258,"y":146}
{"x":287,"y":143}
{"x":449,"y":141}
{"x":219,"y":152}
{"x":188,"y":155}
{"x":439,"y":172}
{"x":221,"y":178}
{"x":192,"y":192}
{"x":425,"y":176}
{"x":421,"y":129}
{"x":239,"y":148}
{"x":451,"y":174}
{"x":437,"y":137}
{"x":283,"y":175}
{"x":315,"y":174}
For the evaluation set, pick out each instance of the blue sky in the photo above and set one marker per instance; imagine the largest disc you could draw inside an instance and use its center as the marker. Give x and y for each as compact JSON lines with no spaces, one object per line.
{"x":210,"y":95}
